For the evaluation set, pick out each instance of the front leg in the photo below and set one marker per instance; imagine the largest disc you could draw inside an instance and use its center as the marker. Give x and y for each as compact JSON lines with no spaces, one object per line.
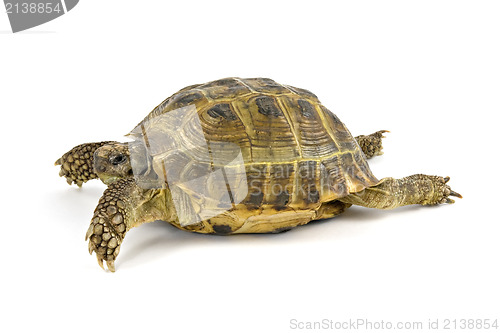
{"x":123,"y":205}
{"x":77,"y":165}
{"x":392,"y":193}
{"x":371,"y":144}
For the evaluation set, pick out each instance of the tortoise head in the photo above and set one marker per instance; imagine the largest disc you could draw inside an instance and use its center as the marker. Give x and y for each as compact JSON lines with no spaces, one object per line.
{"x":112,"y":162}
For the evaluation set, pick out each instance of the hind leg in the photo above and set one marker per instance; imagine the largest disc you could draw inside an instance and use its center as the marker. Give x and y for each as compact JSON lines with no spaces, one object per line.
{"x":391,"y":193}
{"x":371,"y":144}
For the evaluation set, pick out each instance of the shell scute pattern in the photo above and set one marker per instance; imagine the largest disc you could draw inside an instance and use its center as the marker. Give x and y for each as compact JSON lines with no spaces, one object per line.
{"x":297,"y":153}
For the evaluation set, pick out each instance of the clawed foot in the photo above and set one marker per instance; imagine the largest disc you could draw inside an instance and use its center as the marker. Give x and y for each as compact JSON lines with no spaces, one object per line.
{"x":441,"y":191}
{"x":105,"y":239}
{"x":371,"y":145}
{"x":109,"y":224}
{"x":447,"y":191}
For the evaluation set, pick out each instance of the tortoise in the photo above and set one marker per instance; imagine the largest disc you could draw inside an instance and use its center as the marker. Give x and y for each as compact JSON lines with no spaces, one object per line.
{"x":236,"y":156}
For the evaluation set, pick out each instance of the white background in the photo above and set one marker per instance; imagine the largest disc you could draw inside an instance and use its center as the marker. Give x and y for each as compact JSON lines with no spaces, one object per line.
{"x":428,"y":71}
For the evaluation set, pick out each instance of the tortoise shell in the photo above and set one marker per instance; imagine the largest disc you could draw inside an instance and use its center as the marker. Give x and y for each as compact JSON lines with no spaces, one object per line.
{"x":278,"y":149}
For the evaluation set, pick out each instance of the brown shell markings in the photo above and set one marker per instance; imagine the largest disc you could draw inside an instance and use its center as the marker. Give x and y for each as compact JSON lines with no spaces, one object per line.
{"x":297,"y":154}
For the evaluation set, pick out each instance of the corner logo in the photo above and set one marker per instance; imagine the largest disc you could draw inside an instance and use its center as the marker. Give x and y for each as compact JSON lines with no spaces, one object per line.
{"x":25,"y":14}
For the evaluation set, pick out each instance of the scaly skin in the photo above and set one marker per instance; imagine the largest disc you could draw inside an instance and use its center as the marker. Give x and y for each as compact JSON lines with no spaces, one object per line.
{"x":77,"y":165}
{"x":109,"y":224}
{"x":417,"y":189}
{"x":123,"y":205}
{"x":371,"y":144}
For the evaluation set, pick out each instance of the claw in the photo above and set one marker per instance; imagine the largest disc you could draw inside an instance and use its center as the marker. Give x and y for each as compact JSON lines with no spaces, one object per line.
{"x":111,"y":265}
{"x":99,"y":261}
{"x":455,"y":194}
{"x":446,"y":179}
{"x":89,"y":233}
{"x":384,"y":131}
{"x":449,"y":201}
{"x":58,"y":162}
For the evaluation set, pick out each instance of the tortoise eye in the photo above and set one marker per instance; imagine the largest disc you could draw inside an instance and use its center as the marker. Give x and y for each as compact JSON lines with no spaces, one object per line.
{"x":117,"y":159}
